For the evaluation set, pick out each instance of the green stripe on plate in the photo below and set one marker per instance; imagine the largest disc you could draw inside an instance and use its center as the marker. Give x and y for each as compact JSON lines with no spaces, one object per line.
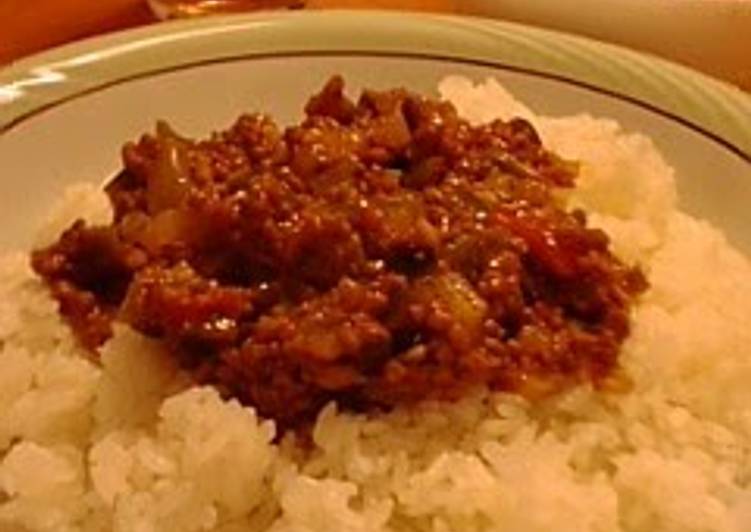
{"x":40,"y":81}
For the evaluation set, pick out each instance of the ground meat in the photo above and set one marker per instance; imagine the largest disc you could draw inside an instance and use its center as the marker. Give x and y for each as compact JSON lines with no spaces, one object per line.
{"x":378,"y":253}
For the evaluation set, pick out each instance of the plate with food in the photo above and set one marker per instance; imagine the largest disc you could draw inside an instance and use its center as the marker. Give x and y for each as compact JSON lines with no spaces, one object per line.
{"x":275,"y":272}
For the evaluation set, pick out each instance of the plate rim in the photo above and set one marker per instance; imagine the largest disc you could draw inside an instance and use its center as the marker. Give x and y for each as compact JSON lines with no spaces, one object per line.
{"x":34,"y":84}
{"x":679,"y":120}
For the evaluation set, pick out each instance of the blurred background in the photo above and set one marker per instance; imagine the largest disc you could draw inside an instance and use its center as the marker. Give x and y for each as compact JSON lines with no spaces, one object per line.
{"x":713,"y":36}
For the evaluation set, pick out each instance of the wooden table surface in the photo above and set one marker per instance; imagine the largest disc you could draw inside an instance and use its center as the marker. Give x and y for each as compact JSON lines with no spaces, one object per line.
{"x":28,"y":26}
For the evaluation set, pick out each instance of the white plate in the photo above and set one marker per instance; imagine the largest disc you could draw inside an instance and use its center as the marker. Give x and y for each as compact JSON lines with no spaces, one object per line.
{"x":65,"y":114}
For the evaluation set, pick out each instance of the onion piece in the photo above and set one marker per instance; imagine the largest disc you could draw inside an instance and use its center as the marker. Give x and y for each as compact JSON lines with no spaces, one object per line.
{"x":167,"y":181}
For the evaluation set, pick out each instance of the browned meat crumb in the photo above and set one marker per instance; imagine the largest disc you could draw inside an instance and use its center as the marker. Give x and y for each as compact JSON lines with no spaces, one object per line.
{"x":378,"y":253}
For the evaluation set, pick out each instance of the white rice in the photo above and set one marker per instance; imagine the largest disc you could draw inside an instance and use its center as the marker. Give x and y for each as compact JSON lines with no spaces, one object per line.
{"x":129,"y":446}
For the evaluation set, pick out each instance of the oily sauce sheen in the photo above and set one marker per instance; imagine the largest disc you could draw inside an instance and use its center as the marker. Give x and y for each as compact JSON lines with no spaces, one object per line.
{"x":379,"y":253}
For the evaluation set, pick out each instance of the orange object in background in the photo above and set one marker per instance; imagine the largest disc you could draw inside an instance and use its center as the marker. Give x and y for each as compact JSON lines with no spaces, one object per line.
{"x":27,"y":27}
